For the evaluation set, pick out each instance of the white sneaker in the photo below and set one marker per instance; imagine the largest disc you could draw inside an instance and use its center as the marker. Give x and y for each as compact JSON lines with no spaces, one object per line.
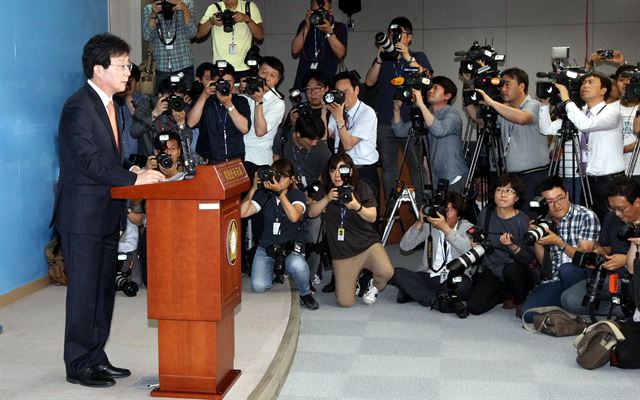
{"x":371,"y":295}
{"x":316,"y":280}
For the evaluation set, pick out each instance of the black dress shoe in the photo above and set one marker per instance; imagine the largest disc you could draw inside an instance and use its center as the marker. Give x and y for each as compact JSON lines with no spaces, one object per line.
{"x":309,"y":302}
{"x":89,"y":377}
{"x":109,"y":371}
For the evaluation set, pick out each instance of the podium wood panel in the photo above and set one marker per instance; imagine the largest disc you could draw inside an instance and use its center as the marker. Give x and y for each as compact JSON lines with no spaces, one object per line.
{"x":194,"y":277}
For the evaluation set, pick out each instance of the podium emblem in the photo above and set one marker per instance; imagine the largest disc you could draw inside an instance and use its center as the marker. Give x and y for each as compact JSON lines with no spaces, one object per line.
{"x":232,"y":242}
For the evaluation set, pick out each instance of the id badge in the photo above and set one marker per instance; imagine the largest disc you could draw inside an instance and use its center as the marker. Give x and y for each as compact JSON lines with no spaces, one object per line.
{"x":585,"y":156}
{"x":340,"y":234}
{"x":233,"y":49}
{"x":276,"y":228}
{"x":443,"y":276}
{"x":313,"y":65}
{"x":169,"y":47}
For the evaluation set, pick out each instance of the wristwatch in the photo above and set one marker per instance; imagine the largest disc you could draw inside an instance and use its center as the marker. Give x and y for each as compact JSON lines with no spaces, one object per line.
{"x":411,"y":60}
{"x":340,"y":125}
{"x":562,"y":248}
{"x":230,"y":108}
{"x":328,"y":35}
{"x":180,"y":127}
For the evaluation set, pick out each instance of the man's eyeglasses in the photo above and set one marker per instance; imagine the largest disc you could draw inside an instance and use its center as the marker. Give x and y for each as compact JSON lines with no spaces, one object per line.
{"x":314,"y":89}
{"x":124,"y":66}
{"x":505,"y":191}
{"x":618,"y":210}
{"x":557,"y":200}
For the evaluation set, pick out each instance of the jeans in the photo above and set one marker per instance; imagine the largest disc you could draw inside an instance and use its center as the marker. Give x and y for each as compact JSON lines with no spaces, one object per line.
{"x":550,"y":293}
{"x":571,"y":300}
{"x":262,"y":271}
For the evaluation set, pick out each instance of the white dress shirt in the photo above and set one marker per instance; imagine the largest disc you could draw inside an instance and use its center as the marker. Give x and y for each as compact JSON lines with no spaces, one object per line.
{"x":258,"y":149}
{"x":362,"y":123}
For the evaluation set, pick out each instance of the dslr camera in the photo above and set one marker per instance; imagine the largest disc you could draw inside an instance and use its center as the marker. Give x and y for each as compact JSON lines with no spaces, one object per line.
{"x":167,"y":9}
{"x":300,"y":105}
{"x":319,"y":16}
{"x":389,"y":52}
{"x":537,"y":232}
{"x":175,"y":101}
{"x":279,"y":252}
{"x":253,"y":81}
{"x":267,"y":174}
{"x":222,"y":86}
{"x":334,"y":96}
{"x":227,"y":19}
{"x":436,"y":202}
{"x":345,"y":192}
{"x":629,"y":230}
{"x":481,"y":62}
{"x":164,"y":160}
{"x":126,"y":262}
{"x":595,"y":281}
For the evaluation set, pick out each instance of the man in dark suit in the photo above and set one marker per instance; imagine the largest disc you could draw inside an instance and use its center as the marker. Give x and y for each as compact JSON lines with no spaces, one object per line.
{"x":85,"y":215}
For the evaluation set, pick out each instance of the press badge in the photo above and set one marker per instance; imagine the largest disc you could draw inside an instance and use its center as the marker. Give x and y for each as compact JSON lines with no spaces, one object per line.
{"x":585,"y":156}
{"x":233,"y":49}
{"x":340,"y":234}
{"x":169,"y":47}
{"x":276,"y":228}
{"x":313,"y":65}
{"x":303,"y":179}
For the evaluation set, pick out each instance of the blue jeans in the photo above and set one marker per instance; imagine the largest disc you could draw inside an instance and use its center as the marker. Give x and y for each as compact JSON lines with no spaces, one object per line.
{"x":550,"y":293}
{"x":572,"y":300}
{"x":262,"y":271}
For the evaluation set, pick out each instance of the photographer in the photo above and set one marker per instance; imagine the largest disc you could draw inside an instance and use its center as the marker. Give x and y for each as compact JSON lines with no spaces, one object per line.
{"x":353,"y":125}
{"x":624,"y":204}
{"x":505,"y":272}
{"x":222,"y":119}
{"x":350,"y":209}
{"x":283,"y":207}
{"x":629,"y":110}
{"x":444,"y":131}
{"x":380,"y":74}
{"x":156,"y":114}
{"x":601,"y":141}
{"x":575,"y":229}
{"x":233,"y":25}
{"x":525,"y":149}
{"x":320,"y":42}
{"x":170,"y":29}
{"x":613,"y":57}
{"x":449,"y":242}
{"x":171,"y":148}
{"x":267,"y":110}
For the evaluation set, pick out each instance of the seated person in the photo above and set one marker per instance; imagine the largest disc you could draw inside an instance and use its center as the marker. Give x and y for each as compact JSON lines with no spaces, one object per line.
{"x":575,"y":229}
{"x":505,"y":272}
{"x":623,"y":195}
{"x":353,"y":242}
{"x":283,"y":205}
{"x":449,"y":242}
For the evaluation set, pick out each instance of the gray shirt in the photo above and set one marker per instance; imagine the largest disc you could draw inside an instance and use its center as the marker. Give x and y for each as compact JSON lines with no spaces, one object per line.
{"x":524,"y":146}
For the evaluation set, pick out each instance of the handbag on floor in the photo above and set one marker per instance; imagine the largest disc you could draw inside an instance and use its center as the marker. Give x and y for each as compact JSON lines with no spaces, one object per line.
{"x":554,"y":321}
{"x":626,"y":354}
{"x":596,"y":343}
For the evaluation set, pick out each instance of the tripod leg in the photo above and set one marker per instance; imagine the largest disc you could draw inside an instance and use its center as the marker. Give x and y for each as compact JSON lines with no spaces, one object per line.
{"x":390,"y":221}
{"x":473,"y":164}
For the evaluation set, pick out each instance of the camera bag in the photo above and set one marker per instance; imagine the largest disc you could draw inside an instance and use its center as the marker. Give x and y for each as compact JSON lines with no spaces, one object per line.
{"x":554,"y":321}
{"x":596,"y":343}
{"x":626,"y":354}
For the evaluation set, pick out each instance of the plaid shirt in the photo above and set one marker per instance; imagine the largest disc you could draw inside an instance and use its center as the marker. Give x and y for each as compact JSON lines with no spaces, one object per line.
{"x":177,"y":56}
{"x":578,"y":224}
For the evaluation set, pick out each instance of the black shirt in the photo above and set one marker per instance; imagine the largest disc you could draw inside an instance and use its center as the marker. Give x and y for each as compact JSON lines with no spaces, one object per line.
{"x":359,"y":234}
{"x":609,"y":234}
{"x":272,"y":211}
{"x":216,"y":126}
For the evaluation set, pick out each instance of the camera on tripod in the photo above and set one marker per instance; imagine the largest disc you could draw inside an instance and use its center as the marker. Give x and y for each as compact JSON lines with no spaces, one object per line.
{"x":123,"y":277}
{"x":279,"y":252}
{"x":563,"y":74}
{"x":436,"y":202}
{"x":414,"y":80}
{"x":596,"y":279}
{"x":319,"y":16}
{"x":481,"y":62}
{"x":389,"y":52}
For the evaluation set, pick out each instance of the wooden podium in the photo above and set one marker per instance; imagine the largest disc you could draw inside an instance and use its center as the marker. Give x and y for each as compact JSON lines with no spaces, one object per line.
{"x":194,"y":277}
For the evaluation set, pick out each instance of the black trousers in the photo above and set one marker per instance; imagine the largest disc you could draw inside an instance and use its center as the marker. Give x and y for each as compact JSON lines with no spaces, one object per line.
{"x":599,"y":186}
{"x":369,"y":174}
{"x":423,"y":288}
{"x":488,"y":290}
{"x":90,"y":262}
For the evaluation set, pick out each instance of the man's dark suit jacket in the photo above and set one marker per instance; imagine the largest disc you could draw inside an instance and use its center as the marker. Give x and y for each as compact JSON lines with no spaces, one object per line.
{"x":89,"y":166}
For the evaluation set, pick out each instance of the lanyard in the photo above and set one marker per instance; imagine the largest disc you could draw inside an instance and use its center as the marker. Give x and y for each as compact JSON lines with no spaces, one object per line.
{"x":343,"y":213}
{"x":299,"y":165}
{"x":510,"y":130}
{"x":223,"y":121}
{"x":349,"y":123}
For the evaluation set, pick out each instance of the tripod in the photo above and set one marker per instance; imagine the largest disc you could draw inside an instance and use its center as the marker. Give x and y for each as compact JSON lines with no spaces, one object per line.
{"x":489,"y":138}
{"x":401,"y":194}
{"x":568,"y":131}
{"x":634,"y":159}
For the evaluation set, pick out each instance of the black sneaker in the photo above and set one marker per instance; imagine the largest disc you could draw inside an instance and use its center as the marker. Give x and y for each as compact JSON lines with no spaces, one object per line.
{"x":309,"y":302}
{"x":330,"y":287}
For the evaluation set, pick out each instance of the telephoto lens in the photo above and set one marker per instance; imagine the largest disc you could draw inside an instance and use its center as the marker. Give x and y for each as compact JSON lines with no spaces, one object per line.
{"x":536,"y":233}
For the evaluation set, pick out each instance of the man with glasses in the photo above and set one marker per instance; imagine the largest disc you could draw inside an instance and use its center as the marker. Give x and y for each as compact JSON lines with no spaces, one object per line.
{"x":575,"y":228}
{"x":319,"y":47}
{"x":601,"y":140}
{"x":88,"y":219}
{"x":222,"y":120}
{"x":381,"y":73}
{"x":624,"y":207}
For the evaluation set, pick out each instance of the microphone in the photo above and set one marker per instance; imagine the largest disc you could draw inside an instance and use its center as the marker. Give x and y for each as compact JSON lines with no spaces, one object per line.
{"x":543,"y":75}
{"x":460,"y":53}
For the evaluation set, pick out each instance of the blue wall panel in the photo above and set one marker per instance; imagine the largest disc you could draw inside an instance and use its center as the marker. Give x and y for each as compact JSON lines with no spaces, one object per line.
{"x":40,"y":66}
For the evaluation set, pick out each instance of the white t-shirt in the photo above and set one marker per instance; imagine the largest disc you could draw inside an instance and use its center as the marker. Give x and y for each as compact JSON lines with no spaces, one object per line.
{"x":628,"y":114}
{"x":258,"y":149}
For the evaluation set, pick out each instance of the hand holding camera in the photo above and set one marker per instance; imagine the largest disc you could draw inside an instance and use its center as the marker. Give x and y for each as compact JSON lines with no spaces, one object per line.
{"x":439,"y":222}
{"x":332,"y":195}
{"x":563,"y":91}
{"x":161,"y":106}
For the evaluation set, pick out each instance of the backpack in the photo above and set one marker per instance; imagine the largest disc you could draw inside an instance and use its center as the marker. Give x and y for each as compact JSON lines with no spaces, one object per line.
{"x":55,"y":260}
{"x":554,"y":321}
{"x":596,"y":343}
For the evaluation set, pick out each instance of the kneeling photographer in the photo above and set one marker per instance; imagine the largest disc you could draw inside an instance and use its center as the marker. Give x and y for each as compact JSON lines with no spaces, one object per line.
{"x":505,"y":272}
{"x":593,"y":295}
{"x":447,"y":234}
{"x":283,"y":206}
{"x":350,"y":210}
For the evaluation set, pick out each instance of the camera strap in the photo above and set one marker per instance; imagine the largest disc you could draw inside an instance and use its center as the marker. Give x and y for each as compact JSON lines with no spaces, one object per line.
{"x":161,"y":34}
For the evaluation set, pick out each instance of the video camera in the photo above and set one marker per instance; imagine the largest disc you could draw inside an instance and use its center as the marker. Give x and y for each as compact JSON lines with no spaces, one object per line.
{"x":562,"y":73}
{"x":436,"y":202}
{"x":632,"y":90}
{"x":481,"y":62}
{"x":253,"y":81}
{"x":227,"y":19}
{"x":319,"y":16}
{"x":414,"y":80}
{"x":387,"y":43}
{"x":279,"y":252}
